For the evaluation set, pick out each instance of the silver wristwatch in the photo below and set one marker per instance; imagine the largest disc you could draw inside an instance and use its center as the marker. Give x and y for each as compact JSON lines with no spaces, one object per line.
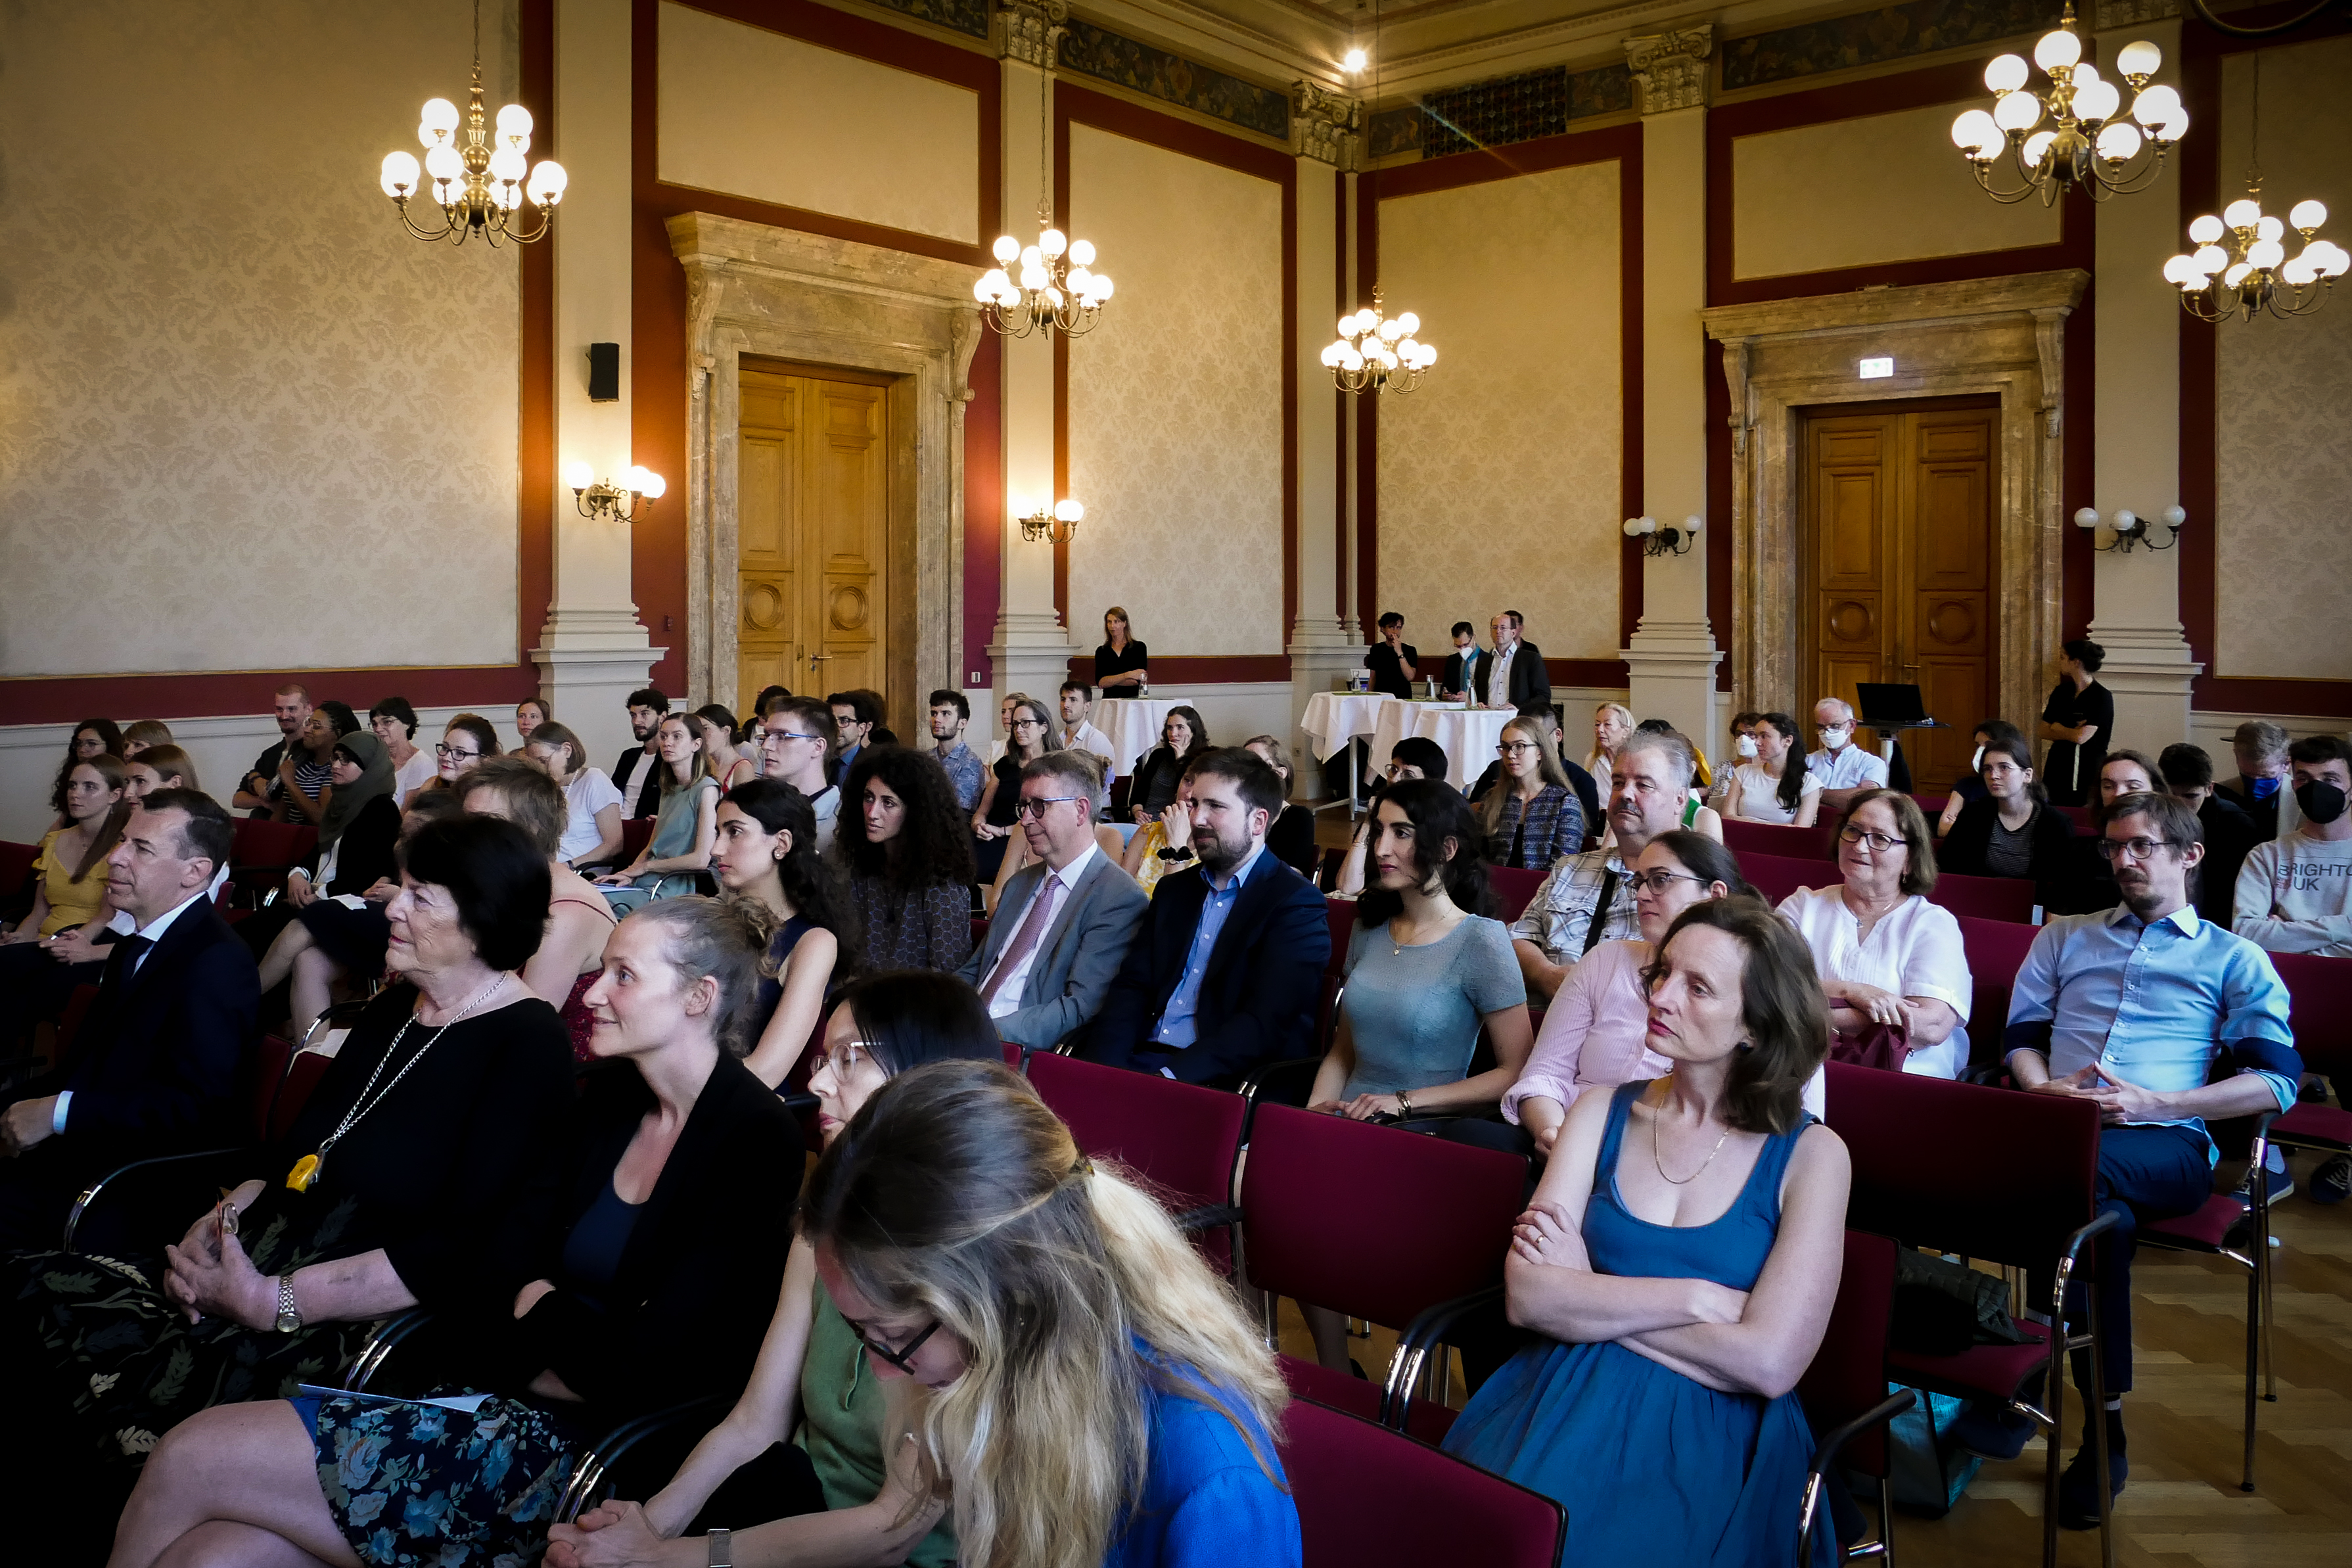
{"x":289,"y":1319}
{"x":722,"y":1550}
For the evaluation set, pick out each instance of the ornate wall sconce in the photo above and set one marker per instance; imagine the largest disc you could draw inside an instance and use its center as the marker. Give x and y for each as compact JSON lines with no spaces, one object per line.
{"x":2130,"y":529}
{"x":1059,"y":525}
{"x":622,"y":503}
{"x":1657,"y":540}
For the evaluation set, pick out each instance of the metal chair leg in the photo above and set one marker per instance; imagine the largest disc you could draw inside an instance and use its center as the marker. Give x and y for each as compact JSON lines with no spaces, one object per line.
{"x":1887,"y":1519}
{"x":2098,"y":1424}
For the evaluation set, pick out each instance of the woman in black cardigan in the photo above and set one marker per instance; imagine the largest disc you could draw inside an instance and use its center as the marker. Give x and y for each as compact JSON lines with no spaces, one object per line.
{"x":656,"y":1290}
{"x":1182,"y":737}
{"x":2014,"y":831}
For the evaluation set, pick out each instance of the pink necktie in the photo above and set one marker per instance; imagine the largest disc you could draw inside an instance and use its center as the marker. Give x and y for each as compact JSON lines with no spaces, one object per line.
{"x":1031,"y":932}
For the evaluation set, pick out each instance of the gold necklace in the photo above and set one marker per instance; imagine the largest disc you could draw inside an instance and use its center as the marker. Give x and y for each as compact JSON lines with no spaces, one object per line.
{"x":1655,"y":1115}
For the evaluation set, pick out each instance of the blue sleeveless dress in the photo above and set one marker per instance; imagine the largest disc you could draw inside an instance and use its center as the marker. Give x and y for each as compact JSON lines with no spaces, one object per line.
{"x":1652,"y":1466}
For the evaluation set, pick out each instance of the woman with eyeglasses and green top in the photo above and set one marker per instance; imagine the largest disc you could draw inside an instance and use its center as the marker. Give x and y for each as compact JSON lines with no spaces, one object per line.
{"x":1530,"y":817}
{"x":1888,"y":957}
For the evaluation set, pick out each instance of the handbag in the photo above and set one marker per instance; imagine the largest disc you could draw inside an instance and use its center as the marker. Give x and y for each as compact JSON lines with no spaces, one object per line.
{"x":1943,"y":1307}
{"x":1880,"y":1046}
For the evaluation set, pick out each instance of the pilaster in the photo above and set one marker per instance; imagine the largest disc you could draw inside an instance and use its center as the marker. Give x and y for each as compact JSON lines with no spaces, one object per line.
{"x":1324,"y":641}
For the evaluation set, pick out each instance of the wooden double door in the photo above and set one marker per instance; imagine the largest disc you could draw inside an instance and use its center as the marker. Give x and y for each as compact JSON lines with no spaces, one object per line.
{"x":812,"y":530}
{"x":1898,"y":569}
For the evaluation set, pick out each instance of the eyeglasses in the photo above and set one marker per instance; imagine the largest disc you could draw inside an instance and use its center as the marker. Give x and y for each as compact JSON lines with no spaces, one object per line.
{"x":1512,"y":748}
{"x":447,"y":750}
{"x":2130,"y":848}
{"x":1659,"y":881}
{"x":842,"y":1065}
{"x":898,"y":1358}
{"x":792,"y":735}
{"x":1028,"y":723}
{"x":1035,"y":805}
{"x":1880,"y":842}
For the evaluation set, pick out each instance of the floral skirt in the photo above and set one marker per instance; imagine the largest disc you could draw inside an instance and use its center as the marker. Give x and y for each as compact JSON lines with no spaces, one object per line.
{"x":421,"y":1486}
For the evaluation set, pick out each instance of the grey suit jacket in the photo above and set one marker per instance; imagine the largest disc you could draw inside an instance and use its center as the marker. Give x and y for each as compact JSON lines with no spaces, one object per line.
{"x":1078,"y":957}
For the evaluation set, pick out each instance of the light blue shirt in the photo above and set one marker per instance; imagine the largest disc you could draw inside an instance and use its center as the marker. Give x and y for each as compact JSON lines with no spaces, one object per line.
{"x":1176,"y":1026}
{"x":2153,"y":1004}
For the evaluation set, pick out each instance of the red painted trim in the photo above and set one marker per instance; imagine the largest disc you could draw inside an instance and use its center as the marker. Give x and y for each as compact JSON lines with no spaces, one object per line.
{"x":1077,"y":105}
{"x":1605,"y":673}
{"x":658,"y":372}
{"x":984,"y":506}
{"x":2202,"y":188}
{"x":1213,"y":669}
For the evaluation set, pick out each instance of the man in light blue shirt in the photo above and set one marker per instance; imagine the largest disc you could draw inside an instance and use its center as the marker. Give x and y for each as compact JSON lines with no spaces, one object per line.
{"x":1217,"y":844}
{"x":2165,"y":1020}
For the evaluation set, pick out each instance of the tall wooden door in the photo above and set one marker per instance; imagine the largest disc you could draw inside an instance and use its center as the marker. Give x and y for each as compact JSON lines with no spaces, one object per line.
{"x":813,"y":531}
{"x":1899,"y":568}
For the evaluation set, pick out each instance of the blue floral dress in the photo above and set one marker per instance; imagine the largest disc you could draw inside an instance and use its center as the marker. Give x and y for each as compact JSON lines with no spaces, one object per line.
{"x":423,"y":1486}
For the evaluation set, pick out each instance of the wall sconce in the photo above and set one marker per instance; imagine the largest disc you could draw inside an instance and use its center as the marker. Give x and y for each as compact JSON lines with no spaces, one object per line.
{"x":1060,"y":525}
{"x":2131,"y":529}
{"x":640,"y":485}
{"x":1657,"y":540}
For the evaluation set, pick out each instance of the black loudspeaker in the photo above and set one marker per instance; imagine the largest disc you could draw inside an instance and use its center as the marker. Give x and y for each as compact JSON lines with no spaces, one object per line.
{"x":603,"y":372}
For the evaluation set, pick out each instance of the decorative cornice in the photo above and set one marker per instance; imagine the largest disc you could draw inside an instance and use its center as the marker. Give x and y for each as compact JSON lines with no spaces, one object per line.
{"x":1818,"y":315}
{"x":2133,"y":13}
{"x":1030,"y":30}
{"x":1324,"y":125}
{"x":1671,"y":68}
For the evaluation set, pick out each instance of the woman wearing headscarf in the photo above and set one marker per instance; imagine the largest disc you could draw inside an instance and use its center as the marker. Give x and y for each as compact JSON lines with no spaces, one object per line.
{"x":357,"y":830}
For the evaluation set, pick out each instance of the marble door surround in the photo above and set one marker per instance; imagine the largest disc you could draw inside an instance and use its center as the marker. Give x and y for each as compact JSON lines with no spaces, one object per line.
{"x":819,"y":302}
{"x":1997,"y":335}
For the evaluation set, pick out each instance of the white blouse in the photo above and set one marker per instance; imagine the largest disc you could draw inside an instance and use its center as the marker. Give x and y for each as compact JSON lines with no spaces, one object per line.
{"x":1759,"y":792}
{"x":1915,"y":949}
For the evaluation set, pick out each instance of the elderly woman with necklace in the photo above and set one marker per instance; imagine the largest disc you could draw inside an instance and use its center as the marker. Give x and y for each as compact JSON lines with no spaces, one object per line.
{"x":422,"y":1171}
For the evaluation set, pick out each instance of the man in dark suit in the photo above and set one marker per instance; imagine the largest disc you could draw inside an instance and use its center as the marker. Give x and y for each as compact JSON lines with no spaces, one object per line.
{"x":1227,"y":967}
{"x":1460,"y":681}
{"x":156,"y":1063}
{"x":1514,"y":675}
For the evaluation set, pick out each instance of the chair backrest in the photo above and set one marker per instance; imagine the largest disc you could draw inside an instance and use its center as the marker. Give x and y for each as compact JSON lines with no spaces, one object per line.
{"x":16,"y":864}
{"x":1341,"y":914}
{"x":2080,"y":815}
{"x":302,"y":1076}
{"x":636,"y":832}
{"x":1777,"y":876}
{"x":270,"y":1059}
{"x":1996,"y":949}
{"x":2010,"y":898}
{"x":1182,"y":1139}
{"x":77,"y":1009}
{"x":2319,"y":993}
{"x":1740,"y":835}
{"x":1371,"y":1220}
{"x":1849,"y":1371}
{"x":1514,"y":891}
{"x":1370,"y":1497}
{"x":1990,"y":1174}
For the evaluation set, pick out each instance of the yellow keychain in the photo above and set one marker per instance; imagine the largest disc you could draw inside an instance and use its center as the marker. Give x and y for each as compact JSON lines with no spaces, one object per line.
{"x":305,"y":1172}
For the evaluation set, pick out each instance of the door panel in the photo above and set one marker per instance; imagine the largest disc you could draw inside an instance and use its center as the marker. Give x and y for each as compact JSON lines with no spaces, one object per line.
{"x":1897,"y":568}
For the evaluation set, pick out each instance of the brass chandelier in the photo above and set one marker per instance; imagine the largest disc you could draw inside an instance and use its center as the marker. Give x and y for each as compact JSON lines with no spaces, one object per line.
{"x":1048,"y":287}
{"x":1374,"y":352}
{"x":2074,"y":133}
{"x":2240,"y":266}
{"x":481,"y":182}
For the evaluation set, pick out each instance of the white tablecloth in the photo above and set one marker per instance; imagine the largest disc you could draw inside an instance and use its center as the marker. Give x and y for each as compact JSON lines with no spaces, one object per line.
{"x":1468,"y":735}
{"x":1335,"y":718}
{"x":1133,"y":724}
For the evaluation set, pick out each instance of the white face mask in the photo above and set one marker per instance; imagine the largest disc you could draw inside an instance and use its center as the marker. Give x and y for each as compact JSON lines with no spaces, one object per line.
{"x":1975,"y":763}
{"x":1746,"y":747}
{"x":1834,"y":736}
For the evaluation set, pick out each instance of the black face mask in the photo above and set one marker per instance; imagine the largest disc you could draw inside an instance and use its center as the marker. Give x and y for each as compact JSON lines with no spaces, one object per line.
{"x":2320,"y":800}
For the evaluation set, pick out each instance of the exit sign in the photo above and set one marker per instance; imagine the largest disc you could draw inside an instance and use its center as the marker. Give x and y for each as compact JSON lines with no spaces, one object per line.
{"x":1873,"y":369}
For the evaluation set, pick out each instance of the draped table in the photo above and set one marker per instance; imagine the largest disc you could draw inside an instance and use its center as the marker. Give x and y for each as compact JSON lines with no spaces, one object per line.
{"x":1468,"y":735}
{"x":1132,"y":725}
{"x":1335,"y":718}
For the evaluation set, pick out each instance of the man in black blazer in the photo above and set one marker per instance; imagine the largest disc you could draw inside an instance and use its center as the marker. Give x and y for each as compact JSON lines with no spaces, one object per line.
{"x":1513,"y":675}
{"x":157,"y":1063}
{"x":1228,"y":968}
{"x":1460,"y":682}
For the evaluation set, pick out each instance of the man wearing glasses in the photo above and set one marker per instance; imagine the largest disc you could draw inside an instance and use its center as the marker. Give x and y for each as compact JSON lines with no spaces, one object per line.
{"x":1063,"y":925}
{"x":795,"y":749}
{"x":2137,"y":1009}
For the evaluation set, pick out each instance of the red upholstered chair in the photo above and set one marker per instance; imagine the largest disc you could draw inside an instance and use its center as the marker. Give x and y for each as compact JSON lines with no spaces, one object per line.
{"x":1514,"y":891}
{"x":1180,"y":1138}
{"x":636,"y":832}
{"x":1992,"y":1174}
{"x":1814,"y":843}
{"x":1341,"y":913}
{"x":1777,"y":876}
{"x":1996,"y":951}
{"x":1380,"y":1223}
{"x":16,"y":864}
{"x":2320,"y":993}
{"x":1370,"y":1497}
{"x":261,"y":853}
{"x":1844,"y":1390}
{"x":2080,"y":815}
{"x":1986,"y":897}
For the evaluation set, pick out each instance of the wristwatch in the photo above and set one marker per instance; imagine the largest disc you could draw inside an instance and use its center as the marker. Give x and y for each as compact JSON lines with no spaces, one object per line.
{"x":722,"y":1549}
{"x":1404,"y":1104}
{"x":289,"y":1319}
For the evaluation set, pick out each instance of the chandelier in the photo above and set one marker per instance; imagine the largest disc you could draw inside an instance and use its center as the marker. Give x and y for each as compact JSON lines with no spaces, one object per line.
{"x":2074,"y":133}
{"x":1055,"y":289}
{"x":2240,"y":266}
{"x":479,"y":184}
{"x":1374,"y":351}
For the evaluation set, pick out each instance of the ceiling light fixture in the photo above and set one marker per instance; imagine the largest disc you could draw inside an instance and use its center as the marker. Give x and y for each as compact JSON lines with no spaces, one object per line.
{"x":2074,"y":133}
{"x":1372,"y":350}
{"x":1050,"y":285}
{"x":480,"y":184}
{"x":2240,"y":266}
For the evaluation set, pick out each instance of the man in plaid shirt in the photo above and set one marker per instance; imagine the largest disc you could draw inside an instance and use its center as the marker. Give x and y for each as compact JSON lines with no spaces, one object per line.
{"x":1646,"y":790}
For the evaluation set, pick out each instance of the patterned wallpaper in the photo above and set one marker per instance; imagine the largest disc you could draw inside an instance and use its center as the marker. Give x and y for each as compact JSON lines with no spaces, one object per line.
{"x":1887,"y":33}
{"x":2283,"y":446}
{"x":1141,"y":67}
{"x":1501,"y":111}
{"x":1500,"y":477}
{"x":1175,"y":400}
{"x":246,"y":422}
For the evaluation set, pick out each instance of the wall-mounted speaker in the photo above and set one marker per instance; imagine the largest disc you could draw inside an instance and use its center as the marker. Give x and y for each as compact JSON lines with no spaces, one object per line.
{"x":603,"y":372}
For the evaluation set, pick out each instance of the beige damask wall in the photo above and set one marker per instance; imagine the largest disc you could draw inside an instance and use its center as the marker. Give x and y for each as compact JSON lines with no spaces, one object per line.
{"x":754,"y":113}
{"x":1499,"y":479}
{"x":2283,"y":441}
{"x":1850,"y":193}
{"x":1175,"y":421}
{"x":244,"y":422}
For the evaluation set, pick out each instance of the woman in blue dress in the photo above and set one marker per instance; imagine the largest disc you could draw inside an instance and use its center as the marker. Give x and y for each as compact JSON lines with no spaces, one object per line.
{"x":1680,"y":1258}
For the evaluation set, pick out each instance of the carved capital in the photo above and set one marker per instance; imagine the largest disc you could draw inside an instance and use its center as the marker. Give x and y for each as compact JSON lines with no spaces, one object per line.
{"x":2132,"y":13}
{"x":1030,"y":30}
{"x":1671,"y":68}
{"x":1325,"y":124}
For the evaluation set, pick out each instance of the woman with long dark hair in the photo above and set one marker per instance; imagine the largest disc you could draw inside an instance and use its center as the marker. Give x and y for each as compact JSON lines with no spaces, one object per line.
{"x":71,"y":865}
{"x":684,"y":829}
{"x":1776,"y":787}
{"x":2014,"y":831}
{"x":1182,"y":737}
{"x":90,"y":738}
{"x":729,"y":765}
{"x":1029,"y":734}
{"x":1531,"y":816}
{"x":1121,"y":663}
{"x":907,"y":854}
{"x":766,"y":850}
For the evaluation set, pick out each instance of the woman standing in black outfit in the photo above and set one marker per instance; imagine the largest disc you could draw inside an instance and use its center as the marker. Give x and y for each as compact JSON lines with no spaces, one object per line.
{"x":424,"y":1169}
{"x":904,"y":850}
{"x":1182,"y":737}
{"x":2079,"y":721}
{"x":1120,"y":662}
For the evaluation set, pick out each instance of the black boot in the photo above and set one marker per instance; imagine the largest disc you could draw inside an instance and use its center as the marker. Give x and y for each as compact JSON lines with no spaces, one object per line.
{"x":2078,"y":1500}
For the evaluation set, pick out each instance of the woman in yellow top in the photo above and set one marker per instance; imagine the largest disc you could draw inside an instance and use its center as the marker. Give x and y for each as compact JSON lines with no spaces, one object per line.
{"x":72,"y":864}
